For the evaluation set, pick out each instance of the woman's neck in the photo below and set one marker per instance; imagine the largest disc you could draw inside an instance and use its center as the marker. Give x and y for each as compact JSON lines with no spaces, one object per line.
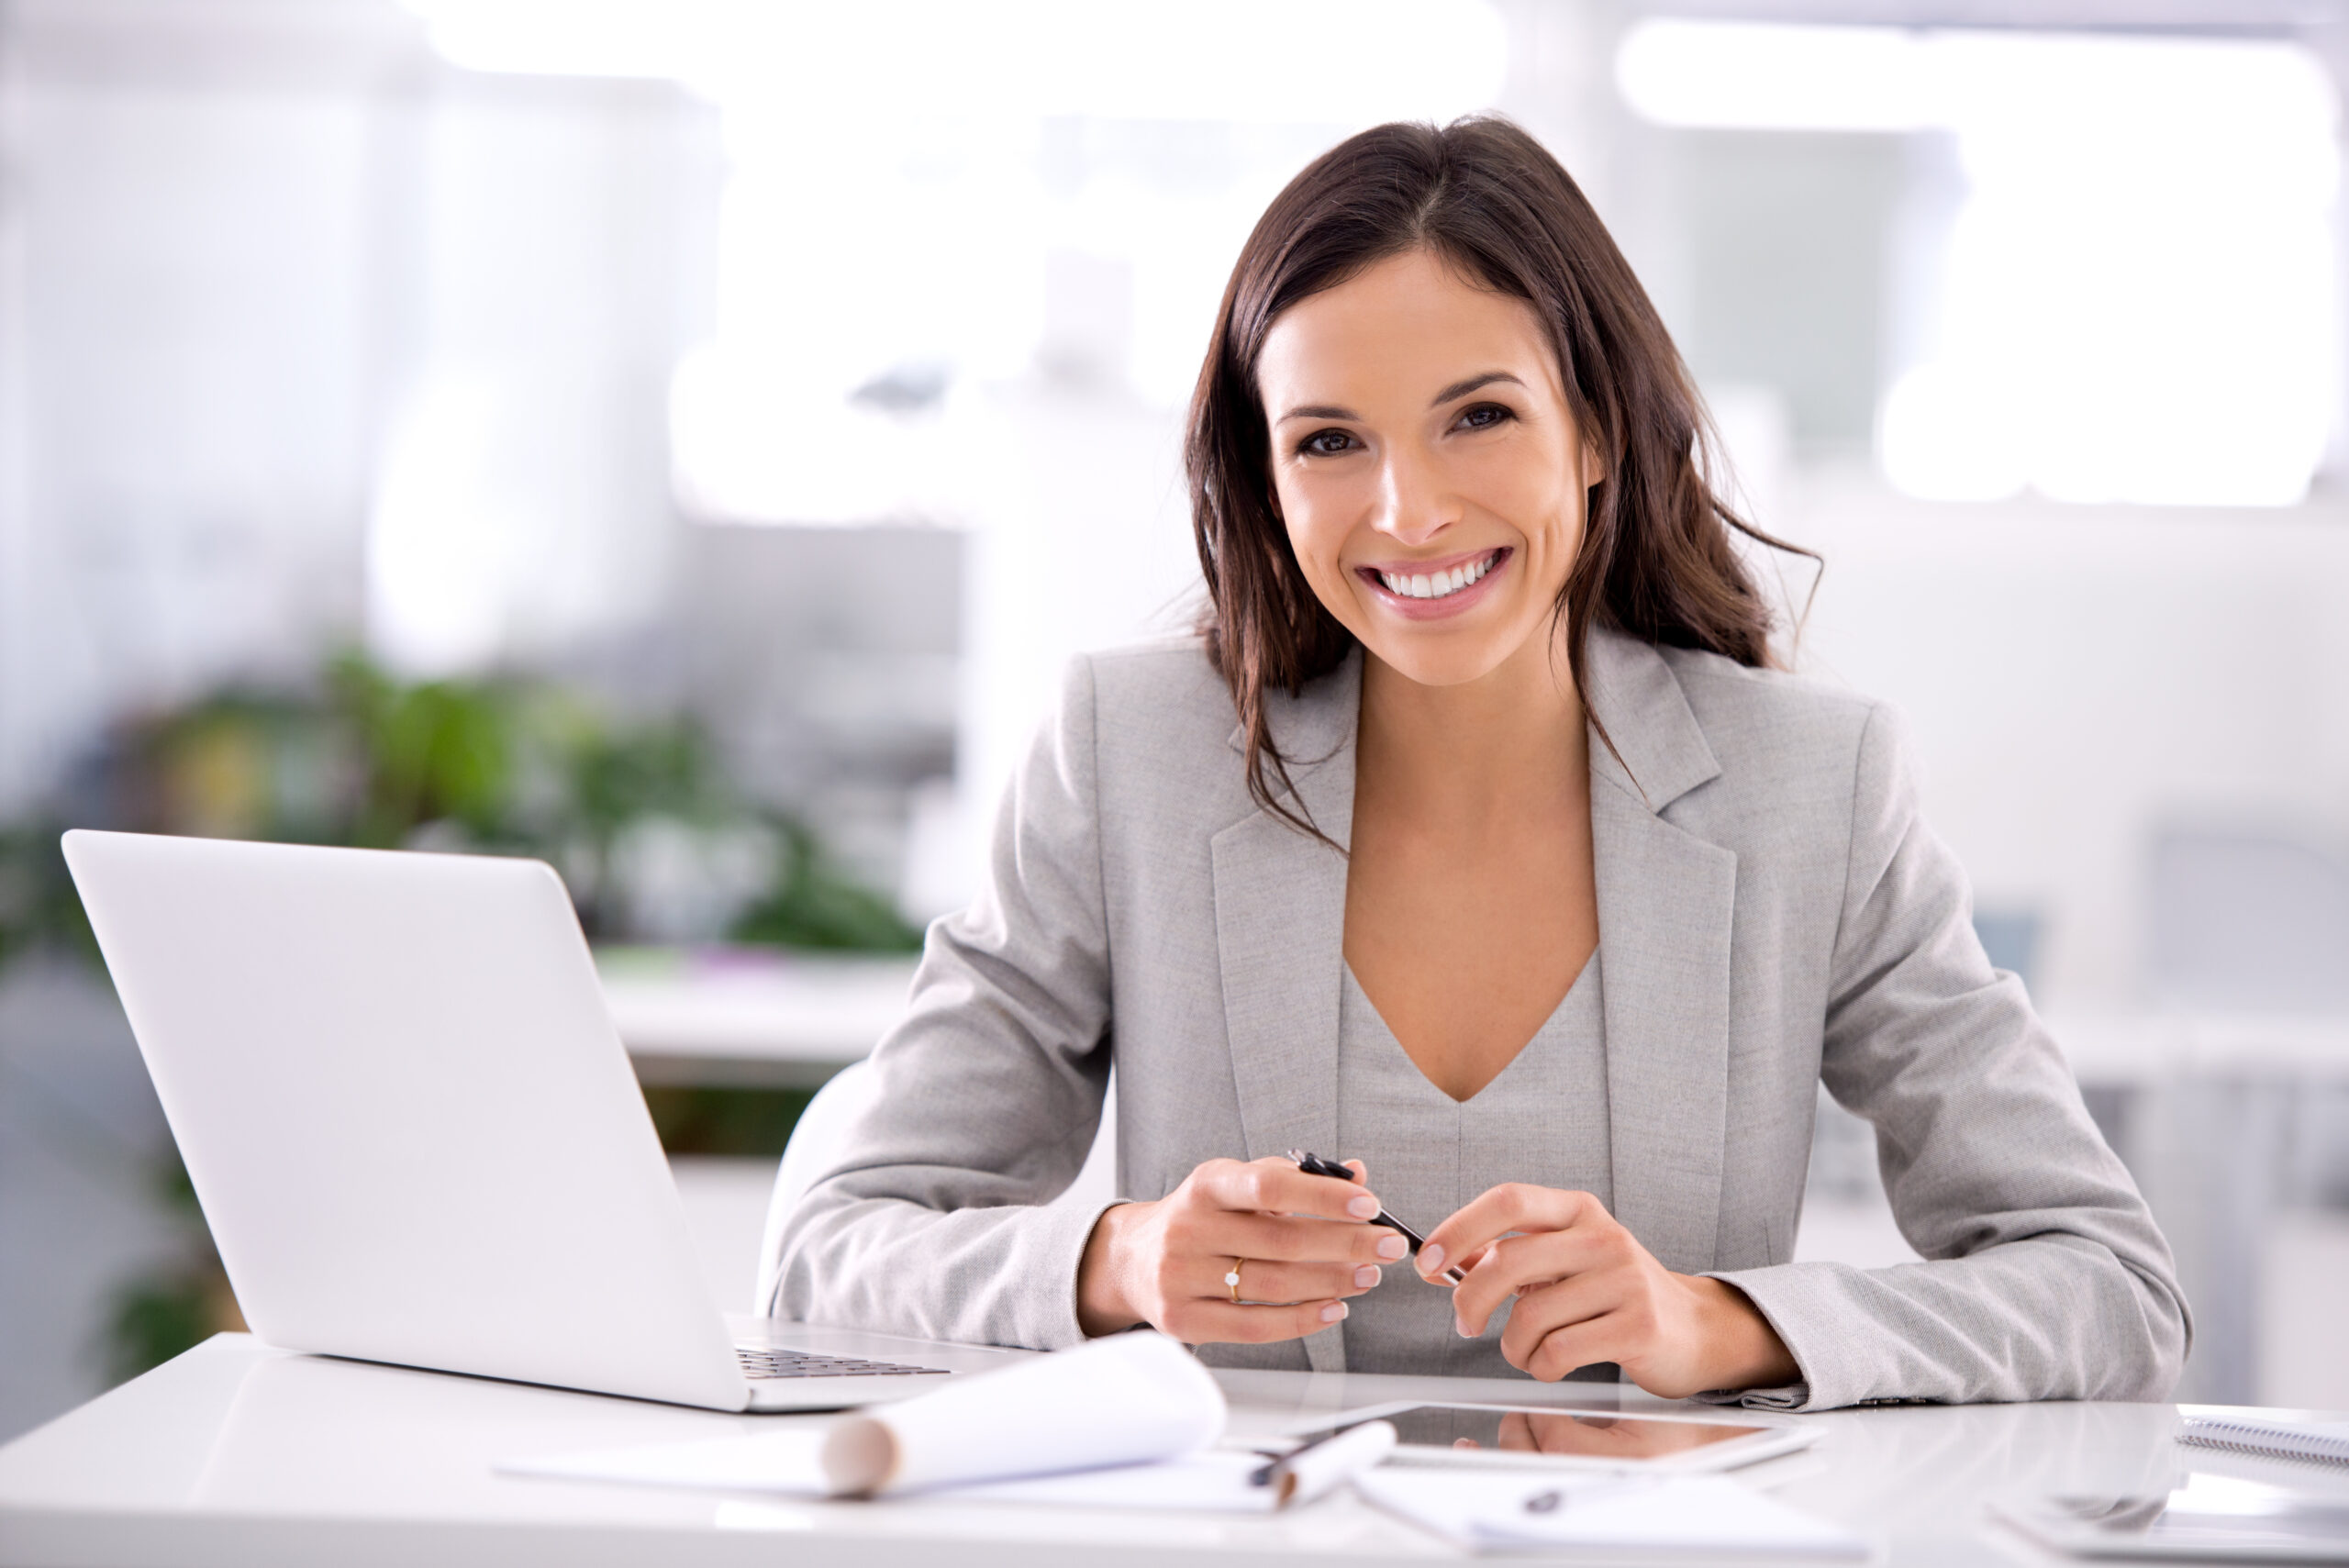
{"x":1514,"y":735}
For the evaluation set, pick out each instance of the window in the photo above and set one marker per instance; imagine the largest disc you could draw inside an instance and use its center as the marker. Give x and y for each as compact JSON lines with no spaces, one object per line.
{"x":2132,"y":296}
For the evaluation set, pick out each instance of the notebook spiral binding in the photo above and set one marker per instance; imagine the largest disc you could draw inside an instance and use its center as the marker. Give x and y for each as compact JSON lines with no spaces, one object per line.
{"x":2277,"y":1441}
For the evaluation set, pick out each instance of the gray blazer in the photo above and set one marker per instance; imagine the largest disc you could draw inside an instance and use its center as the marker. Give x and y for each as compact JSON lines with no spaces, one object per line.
{"x":1774,"y":913}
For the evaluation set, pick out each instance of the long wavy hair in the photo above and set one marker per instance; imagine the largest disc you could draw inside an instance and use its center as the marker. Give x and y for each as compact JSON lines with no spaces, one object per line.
{"x":1657,"y":560}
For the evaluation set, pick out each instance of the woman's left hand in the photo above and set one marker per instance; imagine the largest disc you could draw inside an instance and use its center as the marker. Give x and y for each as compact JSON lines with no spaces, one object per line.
{"x":1587,"y":1290}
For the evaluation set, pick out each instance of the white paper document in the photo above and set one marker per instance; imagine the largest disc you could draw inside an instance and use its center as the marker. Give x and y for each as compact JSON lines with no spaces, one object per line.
{"x":1127,"y":1400}
{"x":1678,"y":1516}
{"x":1215,"y":1481}
{"x":789,"y":1462}
{"x":1124,"y":1399}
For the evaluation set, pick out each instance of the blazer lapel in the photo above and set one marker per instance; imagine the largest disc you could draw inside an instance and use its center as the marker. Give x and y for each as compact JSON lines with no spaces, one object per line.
{"x":1280,"y":915}
{"x":1665,"y":902}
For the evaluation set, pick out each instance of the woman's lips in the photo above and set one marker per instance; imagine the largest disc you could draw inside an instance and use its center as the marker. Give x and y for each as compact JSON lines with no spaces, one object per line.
{"x":1436,"y":603}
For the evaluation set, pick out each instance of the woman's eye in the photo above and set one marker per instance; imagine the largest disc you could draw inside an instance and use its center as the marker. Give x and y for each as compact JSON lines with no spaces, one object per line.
{"x":1485,"y":416}
{"x":1325,"y":444}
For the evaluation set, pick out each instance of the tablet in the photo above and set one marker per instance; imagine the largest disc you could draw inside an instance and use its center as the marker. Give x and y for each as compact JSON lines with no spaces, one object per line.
{"x":1514,"y":1437}
{"x":2209,"y":1518}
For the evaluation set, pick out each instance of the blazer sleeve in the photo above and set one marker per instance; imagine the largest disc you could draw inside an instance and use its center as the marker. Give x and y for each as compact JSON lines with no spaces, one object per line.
{"x":2045,"y":1275}
{"x":933,"y":1220}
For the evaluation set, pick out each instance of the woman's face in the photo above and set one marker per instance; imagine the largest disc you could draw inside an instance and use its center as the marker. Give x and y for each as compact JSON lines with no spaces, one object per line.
{"x":1430,"y":477}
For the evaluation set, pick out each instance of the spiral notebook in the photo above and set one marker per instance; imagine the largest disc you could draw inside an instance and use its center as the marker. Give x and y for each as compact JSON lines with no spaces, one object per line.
{"x":2327,"y":1441}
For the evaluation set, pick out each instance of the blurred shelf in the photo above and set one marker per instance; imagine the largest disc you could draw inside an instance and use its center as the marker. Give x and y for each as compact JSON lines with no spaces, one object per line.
{"x":761,"y":1017}
{"x":750,"y":1017}
{"x":2131,"y":1049}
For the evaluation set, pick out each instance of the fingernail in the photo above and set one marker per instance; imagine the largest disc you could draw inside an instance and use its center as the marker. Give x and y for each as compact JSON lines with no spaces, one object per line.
{"x":1392,"y":1247}
{"x":1366,"y":1275}
{"x":1461,"y":1328}
{"x":1363,"y":1207}
{"x":1430,"y":1259}
{"x":1333,"y":1312}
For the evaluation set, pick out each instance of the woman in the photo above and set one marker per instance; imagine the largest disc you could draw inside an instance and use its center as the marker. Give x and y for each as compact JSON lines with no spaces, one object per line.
{"x":1476,"y":838}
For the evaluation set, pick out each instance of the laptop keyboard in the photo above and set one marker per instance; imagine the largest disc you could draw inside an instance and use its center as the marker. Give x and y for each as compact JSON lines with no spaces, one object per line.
{"x":797,"y":1363}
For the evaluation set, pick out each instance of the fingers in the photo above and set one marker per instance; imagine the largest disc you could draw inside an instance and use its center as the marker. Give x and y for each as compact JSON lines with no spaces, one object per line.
{"x":1189,"y":1258}
{"x":1514,"y":1205}
{"x":1261,"y":1281}
{"x":1298,"y":1247}
{"x":1516,"y":1263}
{"x":1220,"y":1322}
{"x":1273,"y":1185}
{"x":1591,"y":1317}
{"x":1563,"y":1350}
{"x":1301,"y":1243}
{"x":1270,"y":1209}
{"x":1218,"y":1233}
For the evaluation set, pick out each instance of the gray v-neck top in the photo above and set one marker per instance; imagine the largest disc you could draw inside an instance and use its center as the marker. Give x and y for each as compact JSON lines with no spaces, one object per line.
{"x":1542,"y":1120}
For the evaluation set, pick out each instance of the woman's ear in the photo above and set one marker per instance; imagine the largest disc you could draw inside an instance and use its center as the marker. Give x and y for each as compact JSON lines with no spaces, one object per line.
{"x":1593,"y":467}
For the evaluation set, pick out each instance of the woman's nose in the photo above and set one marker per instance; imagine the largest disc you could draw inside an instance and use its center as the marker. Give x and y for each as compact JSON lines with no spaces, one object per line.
{"x":1414,"y":503}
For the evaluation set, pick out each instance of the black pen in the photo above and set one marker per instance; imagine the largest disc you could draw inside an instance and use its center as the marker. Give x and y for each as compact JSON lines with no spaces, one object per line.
{"x":1314,"y":1165}
{"x":1263,"y":1474}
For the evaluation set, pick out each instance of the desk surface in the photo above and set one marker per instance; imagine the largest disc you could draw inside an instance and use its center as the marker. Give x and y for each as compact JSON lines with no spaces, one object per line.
{"x":235,"y":1454}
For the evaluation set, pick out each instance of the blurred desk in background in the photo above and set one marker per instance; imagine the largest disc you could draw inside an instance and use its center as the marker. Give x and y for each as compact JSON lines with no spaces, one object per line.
{"x":744,"y":1018}
{"x":2236,"y":1126}
{"x":751,"y":1019}
{"x":2134,"y":1050}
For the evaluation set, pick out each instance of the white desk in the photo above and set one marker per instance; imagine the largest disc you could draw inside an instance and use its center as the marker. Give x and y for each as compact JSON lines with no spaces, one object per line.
{"x":237,"y":1454}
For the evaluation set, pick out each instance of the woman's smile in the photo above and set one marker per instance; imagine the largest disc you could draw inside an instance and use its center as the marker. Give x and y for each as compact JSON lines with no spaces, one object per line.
{"x":1433,"y":589}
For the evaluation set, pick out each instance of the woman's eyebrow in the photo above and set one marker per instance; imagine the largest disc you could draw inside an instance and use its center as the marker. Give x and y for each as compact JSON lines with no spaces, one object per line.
{"x":1457,"y":389}
{"x":1463,"y":388}
{"x":1454,"y":390}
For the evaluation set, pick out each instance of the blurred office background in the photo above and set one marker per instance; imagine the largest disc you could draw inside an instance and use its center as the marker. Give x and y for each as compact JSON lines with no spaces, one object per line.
{"x":684,"y":438}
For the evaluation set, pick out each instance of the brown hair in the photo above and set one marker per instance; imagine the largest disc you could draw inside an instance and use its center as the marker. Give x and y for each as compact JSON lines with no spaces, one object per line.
{"x":1657,"y":560}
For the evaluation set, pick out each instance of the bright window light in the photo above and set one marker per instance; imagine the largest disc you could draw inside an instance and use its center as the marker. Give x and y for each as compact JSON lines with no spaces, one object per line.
{"x":1773,"y":76}
{"x":1278,"y":61}
{"x":436,"y":541}
{"x":2136,"y":300}
{"x":889,"y":218}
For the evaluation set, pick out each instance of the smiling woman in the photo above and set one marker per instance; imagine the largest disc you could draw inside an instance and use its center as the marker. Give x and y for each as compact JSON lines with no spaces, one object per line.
{"x":1476,"y":835}
{"x":1366,"y":484}
{"x":1470,"y":907}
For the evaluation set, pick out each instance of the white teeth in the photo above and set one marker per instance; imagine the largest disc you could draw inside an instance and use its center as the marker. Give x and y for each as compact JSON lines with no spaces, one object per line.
{"x":1441,"y":584}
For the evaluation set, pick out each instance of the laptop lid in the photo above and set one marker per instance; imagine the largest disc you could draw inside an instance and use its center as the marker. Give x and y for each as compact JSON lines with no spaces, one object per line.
{"x":411,"y":1124}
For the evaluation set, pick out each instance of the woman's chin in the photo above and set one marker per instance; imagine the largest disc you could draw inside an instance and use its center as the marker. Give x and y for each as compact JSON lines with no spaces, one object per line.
{"x":1439,"y":661}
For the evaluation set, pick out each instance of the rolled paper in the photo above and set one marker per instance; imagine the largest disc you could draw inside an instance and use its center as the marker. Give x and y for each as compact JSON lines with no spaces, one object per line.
{"x":1320,"y":1468}
{"x":1125,"y":1400}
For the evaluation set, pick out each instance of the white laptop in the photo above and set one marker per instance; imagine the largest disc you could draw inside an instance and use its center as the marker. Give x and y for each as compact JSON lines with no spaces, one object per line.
{"x":416,"y":1135}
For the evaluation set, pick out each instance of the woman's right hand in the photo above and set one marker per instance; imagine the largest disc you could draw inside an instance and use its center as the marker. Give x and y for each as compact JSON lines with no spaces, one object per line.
{"x":1303,"y":1242}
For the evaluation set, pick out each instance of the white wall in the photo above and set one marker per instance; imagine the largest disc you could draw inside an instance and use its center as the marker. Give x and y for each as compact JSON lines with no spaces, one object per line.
{"x":269,"y":272}
{"x":184,"y":289}
{"x":2076,"y":675}
{"x":547,"y":238}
